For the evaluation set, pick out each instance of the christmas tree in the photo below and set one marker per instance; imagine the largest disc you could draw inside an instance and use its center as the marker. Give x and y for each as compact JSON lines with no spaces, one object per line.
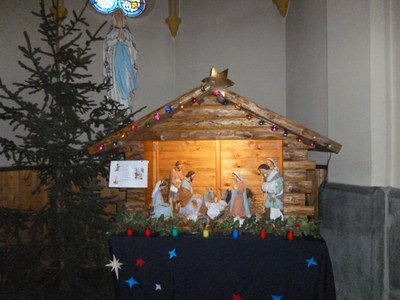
{"x":65,"y":255}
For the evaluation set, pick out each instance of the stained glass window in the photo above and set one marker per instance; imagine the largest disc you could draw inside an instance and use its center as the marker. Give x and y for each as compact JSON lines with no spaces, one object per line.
{"x":131,"y":8}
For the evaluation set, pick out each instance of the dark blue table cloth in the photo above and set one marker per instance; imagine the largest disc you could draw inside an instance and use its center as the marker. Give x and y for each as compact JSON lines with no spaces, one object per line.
{"x":191,"y":267}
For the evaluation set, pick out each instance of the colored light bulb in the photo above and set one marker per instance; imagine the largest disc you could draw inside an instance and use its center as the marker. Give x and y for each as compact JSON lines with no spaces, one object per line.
{"x":129,"y":231}
{"x":174,"y":232}
{"x":168,"y":109}
{"x":235,"y":234}
{"x":290,"y":235}
{"x":157,"y":116}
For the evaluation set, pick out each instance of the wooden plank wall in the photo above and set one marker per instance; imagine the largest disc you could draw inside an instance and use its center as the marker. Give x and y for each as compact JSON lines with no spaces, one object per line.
{"x":198,"y":156}
{"x":297,"y":186}
{"x":17,"y":190}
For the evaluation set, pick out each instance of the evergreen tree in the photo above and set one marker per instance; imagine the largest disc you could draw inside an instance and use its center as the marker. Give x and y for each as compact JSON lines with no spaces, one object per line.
{"x":53,"y":109}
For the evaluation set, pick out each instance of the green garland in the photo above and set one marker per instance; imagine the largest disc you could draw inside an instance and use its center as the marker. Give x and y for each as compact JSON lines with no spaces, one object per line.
{"x":139,"y":221}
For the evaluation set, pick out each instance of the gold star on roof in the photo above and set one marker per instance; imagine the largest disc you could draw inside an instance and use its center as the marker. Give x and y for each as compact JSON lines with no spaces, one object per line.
{"x":219,"y":79}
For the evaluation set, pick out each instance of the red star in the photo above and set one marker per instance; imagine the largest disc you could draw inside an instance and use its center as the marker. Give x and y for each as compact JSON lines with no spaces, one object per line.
{"x":236,"y":297}
{"x":140,"y":262}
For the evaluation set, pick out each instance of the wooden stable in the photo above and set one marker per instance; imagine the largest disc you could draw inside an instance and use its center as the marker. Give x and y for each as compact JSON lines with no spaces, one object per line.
{"x":214,"y":132}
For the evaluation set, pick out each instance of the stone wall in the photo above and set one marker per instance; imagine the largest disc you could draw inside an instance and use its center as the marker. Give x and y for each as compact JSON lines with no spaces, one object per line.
{"x":361,"y":226}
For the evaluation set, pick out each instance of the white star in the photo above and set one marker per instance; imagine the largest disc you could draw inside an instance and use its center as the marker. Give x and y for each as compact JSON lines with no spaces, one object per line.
{"x":158,"y":287}
{"x":115,"y":265}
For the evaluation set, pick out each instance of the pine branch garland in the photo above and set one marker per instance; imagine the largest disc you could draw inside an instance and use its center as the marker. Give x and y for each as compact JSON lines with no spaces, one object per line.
{"x":139,"y":221}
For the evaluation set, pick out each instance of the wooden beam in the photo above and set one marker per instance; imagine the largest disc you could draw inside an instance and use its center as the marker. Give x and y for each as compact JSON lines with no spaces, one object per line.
{"x":299,"y":165}
{"x":294,"y":154}
{"x":298,"y":210}
{"x":295,"y":199}
{"x":281,"y":121}
{"x":298,"y":187}
{"x":210,"y":134}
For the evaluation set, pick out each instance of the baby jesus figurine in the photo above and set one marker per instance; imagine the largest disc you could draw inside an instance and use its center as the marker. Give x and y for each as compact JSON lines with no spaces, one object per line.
{"x":215,"y":206}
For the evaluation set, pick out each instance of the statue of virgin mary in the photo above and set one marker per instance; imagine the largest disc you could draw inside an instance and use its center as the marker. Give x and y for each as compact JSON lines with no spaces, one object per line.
{"x":120,"y":62}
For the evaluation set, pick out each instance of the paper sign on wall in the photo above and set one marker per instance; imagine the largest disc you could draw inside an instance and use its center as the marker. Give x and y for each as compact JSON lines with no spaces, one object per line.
{"x":128,"y":174}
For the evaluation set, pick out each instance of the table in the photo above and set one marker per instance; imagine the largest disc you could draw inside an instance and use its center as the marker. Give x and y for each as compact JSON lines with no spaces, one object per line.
{"x":191,"y":267}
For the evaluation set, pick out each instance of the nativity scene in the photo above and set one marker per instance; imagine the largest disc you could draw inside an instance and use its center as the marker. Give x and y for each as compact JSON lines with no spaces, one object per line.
{"x":248,"y":160}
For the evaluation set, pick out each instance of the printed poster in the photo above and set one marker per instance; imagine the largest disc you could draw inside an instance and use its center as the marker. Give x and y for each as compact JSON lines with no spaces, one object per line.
{"x":128,"y":174}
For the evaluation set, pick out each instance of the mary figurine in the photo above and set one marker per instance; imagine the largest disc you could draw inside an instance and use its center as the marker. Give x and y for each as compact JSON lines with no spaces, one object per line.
{"x":120,"y":56}
{"x":239,"y":203}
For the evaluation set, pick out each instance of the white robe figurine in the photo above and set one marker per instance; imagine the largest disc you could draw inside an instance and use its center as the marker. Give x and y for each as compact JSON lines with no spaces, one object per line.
{"x":160,"y":207}
{"x":273,"y":190}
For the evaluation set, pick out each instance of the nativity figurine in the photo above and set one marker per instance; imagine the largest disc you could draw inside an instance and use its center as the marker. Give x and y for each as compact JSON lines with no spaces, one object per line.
{"x":175,"y":179}
{"x":239,"y":203}
{"x":189,"y":202}
{"x":272,"y":188}
{"x":160,"y":207}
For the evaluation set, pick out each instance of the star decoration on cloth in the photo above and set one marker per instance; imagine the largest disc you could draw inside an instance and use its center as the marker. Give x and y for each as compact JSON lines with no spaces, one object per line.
{"x":311,"y":262}
{"x":172,"y":253}
{"x":115,"y":265}
{"x":131,"y":282}
{"x":140,"y":262}
{"x":276,"y":297}
{"x":219,"y":79}
{"x":158,"y":287}
{"x":236,"y":297}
